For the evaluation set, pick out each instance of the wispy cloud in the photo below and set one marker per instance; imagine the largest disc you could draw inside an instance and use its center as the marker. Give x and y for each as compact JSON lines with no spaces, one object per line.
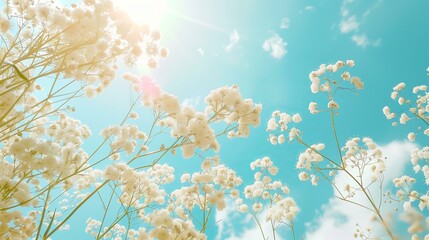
{"x":349,"y":24}
{"x":363,"y":41}
{"x":275,"y":45}
{"x":369,"y":10}
{"x":339,"y":218}
{"x":309,"y":8}
{"x":284,"y":23}
{"x":200,"y":51}
{"x":233,"y":40}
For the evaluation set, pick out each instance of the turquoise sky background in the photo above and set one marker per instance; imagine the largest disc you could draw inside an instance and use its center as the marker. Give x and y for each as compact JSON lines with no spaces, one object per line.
{"x":197,"y":33}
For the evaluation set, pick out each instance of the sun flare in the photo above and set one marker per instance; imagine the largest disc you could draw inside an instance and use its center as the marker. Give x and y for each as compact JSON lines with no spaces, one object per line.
{"x":152,"y":12}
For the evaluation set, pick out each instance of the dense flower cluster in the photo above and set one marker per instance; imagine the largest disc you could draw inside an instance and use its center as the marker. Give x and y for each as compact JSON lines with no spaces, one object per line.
{"x":207,"y":188}
{"x":226,"y":104}
{"x":140,"y":188}
{"x":47,"y":47}
{"x":223,"y":104}
{"x":124,"y":138}
{"x":280,"y":121}
{"x":267,"y":194}
{"x":167,"y":227}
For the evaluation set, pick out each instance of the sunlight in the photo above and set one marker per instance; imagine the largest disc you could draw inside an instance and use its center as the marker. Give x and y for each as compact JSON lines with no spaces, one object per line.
{"x":152,"y":12}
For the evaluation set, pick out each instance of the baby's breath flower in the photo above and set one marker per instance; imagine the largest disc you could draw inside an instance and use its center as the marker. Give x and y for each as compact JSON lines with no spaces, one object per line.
{"x":333,"y":105}
{"x":303,"y":176}
{"x":411,"y":136}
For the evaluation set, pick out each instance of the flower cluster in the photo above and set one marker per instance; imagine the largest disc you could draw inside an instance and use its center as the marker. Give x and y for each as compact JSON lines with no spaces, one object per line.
{"x":51,"y":54}
{"x":419,"y":158}
{"x":316,"y":84}
{"x":308,"y":160}
{"x":417,"y":112}
{"x":280,"y":121}
{"x":269,"y":194}
{"x":224,"y":104}
{"x":54,"y":53}
{"x":123,"y":138}
{"x":207,"y":188}
{"x":140,"y":188}
{"x":81,"y":42}
{"x":358,"y":169}
{"x":16,"y":225}
{"x":167,"y":227}
{"x":321,"y":82}
{"x":53,"y":150}
{"x":362,"y":154}
{"x":411,"y":215}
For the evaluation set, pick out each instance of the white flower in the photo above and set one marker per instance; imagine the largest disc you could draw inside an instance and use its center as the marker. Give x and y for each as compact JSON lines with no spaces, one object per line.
{"x":296,"y":118}
{"x":312,"y":108}
{"x":404,"y":118}
{"x":399,"y":87}
{"x":185,"y":178}
{"x":357,"y":83}
{"x":332,"y":104}
{"x":272,"y":125}
{"x":411,"y":137}
{"x":303,"y":176}
{"x":280,"y":139}
{"x":350,"y":63}
{"x":257,"y":207}
{"x":188,"y":150}
{"x":345,"y":76}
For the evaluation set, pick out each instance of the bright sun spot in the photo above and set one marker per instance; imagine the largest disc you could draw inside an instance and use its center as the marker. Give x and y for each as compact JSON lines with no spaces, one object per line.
{"x":152,"y":12}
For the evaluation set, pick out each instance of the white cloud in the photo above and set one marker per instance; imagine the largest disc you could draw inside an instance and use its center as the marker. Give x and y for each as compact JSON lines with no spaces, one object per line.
{"x":200,"y":51}
{"x":344,"y":11}
{"x":309,"y":8}
{"x":284,"y":23}
{"x":349,"y":24}
{"x":363,"y":41}
{"x":275,"y":45}
{"x":360,"y":40}
{"x":233,"y":40}
{"x":237,"y":226}
{"x":339,"y":218}
{"x":369,"y":10}
{"x":398,"y":156}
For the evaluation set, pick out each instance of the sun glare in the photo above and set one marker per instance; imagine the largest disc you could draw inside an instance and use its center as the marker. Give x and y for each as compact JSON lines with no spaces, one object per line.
{"x":152,"y":12}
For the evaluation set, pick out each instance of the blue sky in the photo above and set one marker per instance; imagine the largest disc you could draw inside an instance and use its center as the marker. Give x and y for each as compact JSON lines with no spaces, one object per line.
{"x":218,"y":43}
